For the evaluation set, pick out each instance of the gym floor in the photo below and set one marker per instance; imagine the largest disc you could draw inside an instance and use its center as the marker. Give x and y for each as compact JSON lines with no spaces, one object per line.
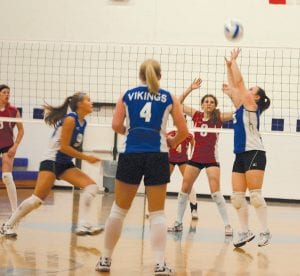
{"x":46,"y":244}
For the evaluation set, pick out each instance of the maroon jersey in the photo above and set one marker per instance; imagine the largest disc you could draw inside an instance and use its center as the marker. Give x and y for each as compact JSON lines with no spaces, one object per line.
{"x":6,"y":128}
{"x":206,"y":143}
{"x":179,"y":154}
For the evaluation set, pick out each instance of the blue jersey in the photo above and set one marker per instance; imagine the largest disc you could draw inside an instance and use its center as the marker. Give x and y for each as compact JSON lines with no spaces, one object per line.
{"x":246,"y":130}
{"x":146,"y":119}
{"x":53,"y":153}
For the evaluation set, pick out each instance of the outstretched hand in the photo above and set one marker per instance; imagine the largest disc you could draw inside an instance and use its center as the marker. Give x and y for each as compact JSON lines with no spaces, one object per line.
{"x":233,"y":56}
{"x":196,"y":84}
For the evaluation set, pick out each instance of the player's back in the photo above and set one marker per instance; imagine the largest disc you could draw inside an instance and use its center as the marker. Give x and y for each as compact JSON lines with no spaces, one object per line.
{"x":147,"y":116}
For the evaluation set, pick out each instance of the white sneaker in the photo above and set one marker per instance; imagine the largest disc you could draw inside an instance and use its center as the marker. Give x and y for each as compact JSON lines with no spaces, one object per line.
{"x":8,"y":231}
{"x":228,"y":231}
{"x":103,"y":264}
{"x":264,"y":238}
{"x":83,"y":230}
{"x":244,"y":237}
{"x":163,"y":270}
{"x":194,"y":214}
{"x":177,"y":227}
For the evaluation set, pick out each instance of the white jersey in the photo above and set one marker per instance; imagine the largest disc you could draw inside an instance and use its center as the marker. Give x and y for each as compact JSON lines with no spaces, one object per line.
{"x":53,"y":152}
{"x":246,"y":130}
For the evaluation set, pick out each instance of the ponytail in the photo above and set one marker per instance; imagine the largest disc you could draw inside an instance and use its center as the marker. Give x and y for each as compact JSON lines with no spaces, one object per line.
{"x":150,"y":72}
{"x":54,"y":114}
{"x":264,"y":101}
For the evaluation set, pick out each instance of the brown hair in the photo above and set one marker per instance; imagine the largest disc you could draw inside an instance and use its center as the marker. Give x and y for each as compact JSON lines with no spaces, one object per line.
{"x":4,"y":86}
{"x":264,"y":101}
{"x":216,"y":113}
{"x":150,"y":72}
{"x":54,"y":114}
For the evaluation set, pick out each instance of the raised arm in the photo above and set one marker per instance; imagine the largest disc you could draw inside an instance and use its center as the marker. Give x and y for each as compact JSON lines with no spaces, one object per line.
{"x":239,"y":93}
{"x":188,"y":110}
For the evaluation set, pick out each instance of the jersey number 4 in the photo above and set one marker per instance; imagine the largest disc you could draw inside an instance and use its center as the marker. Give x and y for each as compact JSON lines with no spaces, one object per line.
{"x":145,"y":112}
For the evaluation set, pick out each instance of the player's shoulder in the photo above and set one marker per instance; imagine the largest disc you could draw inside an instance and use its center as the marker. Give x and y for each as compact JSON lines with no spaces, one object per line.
{"x":11,"y":107}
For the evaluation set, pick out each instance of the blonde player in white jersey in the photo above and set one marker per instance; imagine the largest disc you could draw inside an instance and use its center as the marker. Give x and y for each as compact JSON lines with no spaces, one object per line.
{"x":64,"y":145}
{"x":250,"y":161}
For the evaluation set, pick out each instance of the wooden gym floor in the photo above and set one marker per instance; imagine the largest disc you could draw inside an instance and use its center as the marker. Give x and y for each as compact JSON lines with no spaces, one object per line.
{"x":46,"y":245}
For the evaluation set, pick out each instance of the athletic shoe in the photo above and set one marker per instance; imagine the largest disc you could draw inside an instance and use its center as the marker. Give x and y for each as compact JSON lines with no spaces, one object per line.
{"x":177,"y":227}
{"x":8,"y":231}
{"x":264,"y":238}
{"x":228,"y":231}
{"x":83,"y":230}
{"x":163,"y":270}
{"x":103,"y":264}
{"x":244,"y":237}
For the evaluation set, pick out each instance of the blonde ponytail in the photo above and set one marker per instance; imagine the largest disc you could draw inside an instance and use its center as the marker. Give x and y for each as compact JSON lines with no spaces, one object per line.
{"x":150,"y":73}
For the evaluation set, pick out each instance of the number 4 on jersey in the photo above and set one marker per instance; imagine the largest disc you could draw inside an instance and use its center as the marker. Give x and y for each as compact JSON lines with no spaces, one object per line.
{"x":146,"y":112}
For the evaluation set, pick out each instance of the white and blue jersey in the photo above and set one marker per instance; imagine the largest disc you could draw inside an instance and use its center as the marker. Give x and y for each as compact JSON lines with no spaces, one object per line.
{"x":146,"y":119}
{"x":246,"y":130}
{"x":53,"y":153}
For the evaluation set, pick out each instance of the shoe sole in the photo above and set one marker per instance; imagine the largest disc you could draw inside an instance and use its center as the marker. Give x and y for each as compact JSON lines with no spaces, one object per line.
{"x":103,"y":269}
{"x":243,"y":243}
{"x":195,"y":218}
{"x":93,"y":233}
{"x":175,"y":231}
{"x":261,"y":245}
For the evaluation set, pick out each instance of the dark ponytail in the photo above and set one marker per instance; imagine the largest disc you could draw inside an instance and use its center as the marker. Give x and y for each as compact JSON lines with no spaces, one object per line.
{"x":55,"y":114}
{"x":264,"y":101}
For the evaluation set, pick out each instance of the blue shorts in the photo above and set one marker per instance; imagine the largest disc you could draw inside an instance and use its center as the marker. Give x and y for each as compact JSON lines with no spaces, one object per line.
{"x":56,"y":168}
{"x":153,"y":166}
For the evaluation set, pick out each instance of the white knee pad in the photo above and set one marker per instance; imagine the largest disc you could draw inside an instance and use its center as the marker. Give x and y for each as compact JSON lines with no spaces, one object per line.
{"x":117,"y":212}
{"x":35,"y":201}
{"x":256,"y":199}
{"x":238,"y":200}
{"x":217,"y":197}
{"x":157,"y":217}
{"x":7,"y":178}
{"x":91,"y":190}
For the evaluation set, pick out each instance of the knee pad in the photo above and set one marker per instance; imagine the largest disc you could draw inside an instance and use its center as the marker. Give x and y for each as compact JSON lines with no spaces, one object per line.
{"x":7,"y":178}
{"x":217,"y":197}
{"x":256,"y":199}
{"x":238,"y":200}
{"x":91,"y":190}
{"x":157,"y":217}
{"x":35,"y":201}
{"x":117,"y":212}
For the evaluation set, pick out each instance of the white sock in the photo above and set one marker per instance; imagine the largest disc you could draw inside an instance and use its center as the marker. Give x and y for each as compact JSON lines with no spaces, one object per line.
{"x":86,"y":197}
{"x":24,"y":208}
{"x":193,"y":197}
{"x":158,"y":232}
{"x":221,"y":204}
{"x":181,"y":206}
{"x":260,"y":206}
{"x":8,"y":181}
{"x":240,"y":203}
{"x":113,"y":229}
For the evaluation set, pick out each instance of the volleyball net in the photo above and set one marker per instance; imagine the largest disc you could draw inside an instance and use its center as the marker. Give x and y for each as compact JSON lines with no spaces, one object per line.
{"x":39,"y":72}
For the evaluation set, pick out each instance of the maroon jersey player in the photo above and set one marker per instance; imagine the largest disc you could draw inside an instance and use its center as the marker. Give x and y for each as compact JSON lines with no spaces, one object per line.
{"x":9,"y":145}
{"x":205,"y":155}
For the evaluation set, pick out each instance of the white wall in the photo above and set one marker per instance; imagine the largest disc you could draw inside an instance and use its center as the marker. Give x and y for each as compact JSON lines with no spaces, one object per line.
{"x":166,"y":22}
{"x":160,"y":21}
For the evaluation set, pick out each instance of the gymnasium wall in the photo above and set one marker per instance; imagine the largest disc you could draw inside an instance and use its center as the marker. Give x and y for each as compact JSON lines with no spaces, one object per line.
{"x":162,"y":22}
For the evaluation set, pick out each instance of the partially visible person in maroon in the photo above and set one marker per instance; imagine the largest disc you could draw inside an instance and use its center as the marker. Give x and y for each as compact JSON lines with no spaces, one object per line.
{"x":9,"y":145}
{"x":179,"y":156}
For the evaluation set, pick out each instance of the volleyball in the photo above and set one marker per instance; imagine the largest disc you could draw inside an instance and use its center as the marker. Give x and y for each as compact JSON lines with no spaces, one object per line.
{"x":233,"y":30}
